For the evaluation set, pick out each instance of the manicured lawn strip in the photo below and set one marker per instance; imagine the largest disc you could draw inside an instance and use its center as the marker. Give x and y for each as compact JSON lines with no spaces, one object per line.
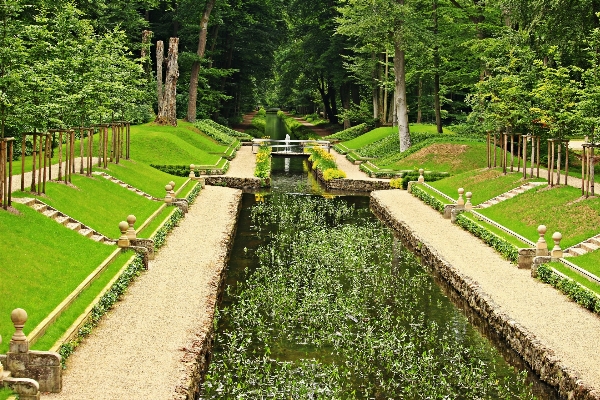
{"x":428,"y":128}
{"x":43,"y":262}
{"x":497,"y":231}
{"x":143,"y":177}
{"x":589,"y":261}
{"x":575,"y":276}
{"x":67,"y":318}
{"x":484,"y":184}
{"x":370,"y":137}
{"x":556,"y":208}
{"x":98,"y":203}
{"x":171,"y":145}
{"x":455,"y":157}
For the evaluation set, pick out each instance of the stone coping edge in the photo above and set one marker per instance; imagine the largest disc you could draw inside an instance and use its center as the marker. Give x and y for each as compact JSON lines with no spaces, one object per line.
{"x":540,"y":358}
{"x":196,"y":356}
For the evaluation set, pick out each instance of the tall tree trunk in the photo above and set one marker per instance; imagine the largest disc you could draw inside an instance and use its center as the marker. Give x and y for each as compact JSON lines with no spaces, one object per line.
{"x":436,"y":73}
{"x":385,"y":90}
{"x":160,"y":60}
{"x":169,"y":110}
{"x":400,"y":93}
{"x":375,"y":88}
{"x":345,"y":96}
{"x":145,"y":53}
{"x":193,"y":93}
{"x":419,"y":97}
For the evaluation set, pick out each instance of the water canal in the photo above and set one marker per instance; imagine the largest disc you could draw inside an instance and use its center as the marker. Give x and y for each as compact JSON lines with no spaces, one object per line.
{"x":321,"y":301}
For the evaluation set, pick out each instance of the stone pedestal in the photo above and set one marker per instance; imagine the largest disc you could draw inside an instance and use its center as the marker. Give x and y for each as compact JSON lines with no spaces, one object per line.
{"x":525,"y":259}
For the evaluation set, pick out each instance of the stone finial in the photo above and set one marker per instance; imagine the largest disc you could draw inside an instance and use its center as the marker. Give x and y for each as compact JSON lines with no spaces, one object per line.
{"x":556,"y":250}
{"x":131,"y":235}
{"x":172,"y":191}
{"x":460,"y":202}
{"x":18,"y":342}
{"x":541,"y":247}
{"x":123,"y":239}
{"x":421,"y":177}
{"x":19,"y":318}
{"x":468,"y":204}
{"x":168,"y":198}
{"x":192,"y":173}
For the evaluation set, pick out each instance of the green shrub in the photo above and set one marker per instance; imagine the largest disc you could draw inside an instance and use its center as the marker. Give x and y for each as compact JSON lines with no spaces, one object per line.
{"x":569,"y":287}
{"x":502,"y":246}
{"x":427,"y":198}
{"x":350,"y":133}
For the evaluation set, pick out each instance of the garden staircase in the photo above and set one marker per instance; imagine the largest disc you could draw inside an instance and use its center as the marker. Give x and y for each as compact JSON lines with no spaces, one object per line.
{"x":126,"y":186}
{"x":584,"y":247}
{"x":65,"y":220}
{"x":510,"y":194}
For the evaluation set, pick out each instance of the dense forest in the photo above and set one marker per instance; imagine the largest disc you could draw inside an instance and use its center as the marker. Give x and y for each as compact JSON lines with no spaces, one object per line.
{"x":518,"y":65}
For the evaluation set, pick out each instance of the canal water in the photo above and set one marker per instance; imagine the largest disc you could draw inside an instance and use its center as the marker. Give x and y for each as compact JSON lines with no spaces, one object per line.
{"x":322,"y":302}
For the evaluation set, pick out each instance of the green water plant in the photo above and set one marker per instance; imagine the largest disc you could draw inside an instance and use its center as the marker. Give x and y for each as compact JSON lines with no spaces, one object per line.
{"x":333,"y":310}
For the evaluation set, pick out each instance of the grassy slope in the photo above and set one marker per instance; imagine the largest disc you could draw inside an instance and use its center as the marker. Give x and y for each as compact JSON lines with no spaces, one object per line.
{"x":370,"y":137}
{"x":47,"y":261}
{"x":485,"y":184}
{"x":42,"y":263}
{"x":181,"y":145}
{"x":455,"y":157}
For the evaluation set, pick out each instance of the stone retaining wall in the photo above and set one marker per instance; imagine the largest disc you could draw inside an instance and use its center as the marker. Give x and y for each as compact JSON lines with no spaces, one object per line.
{"x":540,"y":358}
{"x":233,"y":182}
{"x":196,"y":358}
{"x":351,"y":185}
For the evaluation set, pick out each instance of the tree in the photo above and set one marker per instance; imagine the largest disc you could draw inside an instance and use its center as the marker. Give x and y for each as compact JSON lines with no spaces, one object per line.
{"x":193,"y":89}
{"x":167,"y":95}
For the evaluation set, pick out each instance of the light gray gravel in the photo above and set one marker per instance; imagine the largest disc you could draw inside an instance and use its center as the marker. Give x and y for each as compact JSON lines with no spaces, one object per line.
{"x":136,"y":351}
{"x":562,"y":325}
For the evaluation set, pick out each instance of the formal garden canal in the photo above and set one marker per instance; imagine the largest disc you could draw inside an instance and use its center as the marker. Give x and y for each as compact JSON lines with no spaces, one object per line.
{"x":321,"y":301}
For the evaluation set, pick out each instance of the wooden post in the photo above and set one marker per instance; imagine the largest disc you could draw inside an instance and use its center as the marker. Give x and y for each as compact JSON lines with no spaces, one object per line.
{"x":34,"y":157}
{"x":128,"y":140}
{"x":519,"y":140}
{"x":60,"y":154}
{"x":583,"y":161}
{"x":548,"y":161}
{"x":23,"y":162}
{"x":3,"y":189}
{"x":40,"y":155}
{"x":538,"y":156}
{"x":524,"y":156}
{"x":489,"y":158}
{"x":72,"y":170}
{"x":566,"y":162}
{"x":512,"y":156}
{"x":532,"y":156}
{"x":494,"y":149}
{"x":105,"y":146}
{"x":46,"y":163}
{"x":10,"y":170}
{"x":552,"y":164}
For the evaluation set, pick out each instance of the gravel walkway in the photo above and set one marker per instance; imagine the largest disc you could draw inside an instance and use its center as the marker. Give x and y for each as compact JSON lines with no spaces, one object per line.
{"x":138,"y":349}
{"x":563,"y":326}
{"x":244,"y":163}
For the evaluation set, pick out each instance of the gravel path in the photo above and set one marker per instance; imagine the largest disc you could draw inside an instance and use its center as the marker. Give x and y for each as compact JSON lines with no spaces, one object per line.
{"x":136,"y":352}
{"x":563,"y":326}
{"x":244,"y":163}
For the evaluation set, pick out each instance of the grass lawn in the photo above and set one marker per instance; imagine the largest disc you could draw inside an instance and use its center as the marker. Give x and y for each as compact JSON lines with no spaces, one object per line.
{"x":42,"y":263}
{"x":589,"y":261}
{"x":455,"y":158}
{"x":97,"y":202}
{"x":575,"y":276}
{"x":560,"y":209}
{"x":143,"y":177}
{"x":370,"y":137}
{"x":181,"y":145}
{"x":485,"y":184}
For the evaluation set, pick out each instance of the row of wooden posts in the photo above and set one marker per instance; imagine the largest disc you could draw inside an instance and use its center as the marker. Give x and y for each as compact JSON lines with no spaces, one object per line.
{"x":113,"y":144}
{"x":507,"y":141}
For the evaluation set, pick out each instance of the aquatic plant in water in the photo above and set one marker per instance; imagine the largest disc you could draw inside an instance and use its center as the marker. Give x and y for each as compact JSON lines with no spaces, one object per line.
{"x":336,"y":309}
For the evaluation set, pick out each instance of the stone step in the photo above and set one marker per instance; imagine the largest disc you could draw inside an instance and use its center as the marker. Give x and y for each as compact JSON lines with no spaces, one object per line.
{"x":588,"y":246}
{"x":595,"y":240}
{"x":97,"y":238}
{"x":74,"y":226}
{"x":62,"y":219}
{"x":40,"y":207}
{"x":51,"y":213}
{"x":87,"y":232}
{"x":576,"y":251}
{"x":510,"y":194}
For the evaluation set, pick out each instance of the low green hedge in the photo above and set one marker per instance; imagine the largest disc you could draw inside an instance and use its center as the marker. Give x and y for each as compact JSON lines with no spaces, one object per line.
{"x":427,"y":198}
{"x":506,"y":249}
{"x":569,"y":287}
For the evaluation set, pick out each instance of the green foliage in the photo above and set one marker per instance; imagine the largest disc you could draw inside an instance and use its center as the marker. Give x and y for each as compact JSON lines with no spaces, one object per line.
{"x":350,"y":133}
{"x":218,"y":134}
{"x":321,"y":159}
{"x":333,"y":310}
{"x":208,"y":124}
{"x":333,"y":173}
{"x":427,"y":198}
{"x":297,"y":130}
{"x":263,"y":163}
{"x":502,"y":246}
{"x":579,"y":294}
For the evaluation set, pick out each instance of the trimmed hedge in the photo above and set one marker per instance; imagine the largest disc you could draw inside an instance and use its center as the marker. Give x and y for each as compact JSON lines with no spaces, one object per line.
{"x":569,"y":287}
{"x":502,"y":246}
{"x":427,"y":198}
